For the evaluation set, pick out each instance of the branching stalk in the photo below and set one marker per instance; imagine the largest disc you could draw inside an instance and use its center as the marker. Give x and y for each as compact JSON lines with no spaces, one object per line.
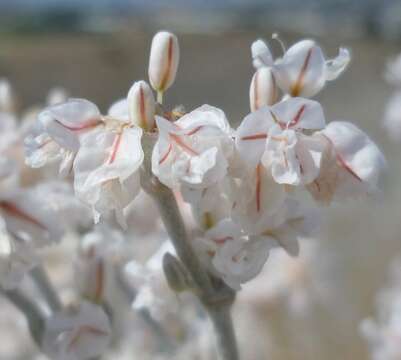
{"x":46,"y":288}
{"x":216,"y":297}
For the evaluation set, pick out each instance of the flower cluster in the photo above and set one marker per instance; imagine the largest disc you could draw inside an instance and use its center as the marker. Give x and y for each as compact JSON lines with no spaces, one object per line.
{"x":243,"y":185}
{"x":241,"y":192}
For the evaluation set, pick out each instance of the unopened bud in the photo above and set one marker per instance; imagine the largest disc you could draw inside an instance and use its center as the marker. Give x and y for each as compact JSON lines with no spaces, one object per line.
{"x":163,"y":62}
{"x":141,"y":105}
{"x":7,"y":98}
{"x":263,"y":90}
{"x":176,"y":275}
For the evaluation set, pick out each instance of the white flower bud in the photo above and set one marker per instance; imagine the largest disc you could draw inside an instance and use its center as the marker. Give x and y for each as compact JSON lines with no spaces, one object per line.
{"x":176,"y":275}
{"x":141,"y":105}
{"x":163,"y":62}
{"x":263,"y":90}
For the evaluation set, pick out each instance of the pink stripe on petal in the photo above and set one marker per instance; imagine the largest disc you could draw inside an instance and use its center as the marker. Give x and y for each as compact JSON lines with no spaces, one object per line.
{"x":115,"y":147}
{"x":14,"y":211}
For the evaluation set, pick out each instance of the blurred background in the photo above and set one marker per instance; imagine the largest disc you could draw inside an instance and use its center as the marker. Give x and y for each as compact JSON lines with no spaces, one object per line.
{"x":96,"y":48}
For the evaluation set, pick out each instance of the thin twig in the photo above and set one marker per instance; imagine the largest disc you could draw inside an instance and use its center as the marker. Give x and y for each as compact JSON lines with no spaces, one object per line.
{"x":215,"y":296}
{"x":34,"y":316}
{"x":46,"y":288}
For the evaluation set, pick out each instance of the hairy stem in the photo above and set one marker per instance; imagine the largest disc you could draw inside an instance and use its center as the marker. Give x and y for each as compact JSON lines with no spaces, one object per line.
{"x":217,"y":300}
{"x":216,"y":297}
{"x":46,"y":288}
{"x":224,"y":328}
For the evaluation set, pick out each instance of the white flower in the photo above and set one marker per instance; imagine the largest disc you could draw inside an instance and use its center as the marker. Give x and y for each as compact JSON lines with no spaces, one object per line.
{"x":303,"y":70}
{"x":228,"y":254}
{"x":263,"y":90}
{"x":99,"y":251}
{"x":65,"y":122}
{"x":141,"y":104}
{"x":351,"y":164}
{"x":58,"y":133}
{"x":194,"y":149}
{"x":79,"y":334}
{"x":287,"y":226}
{"x":261,"y":55}
{"x":106,"y":170}
{"x":150,"y":286}
{"x":163,"y":61}
{"x":239,"y":261}
{"x":274,"y":136}
{"x":258,"y":197}
{"x":27,"y":217}
{"x":60,"y":200}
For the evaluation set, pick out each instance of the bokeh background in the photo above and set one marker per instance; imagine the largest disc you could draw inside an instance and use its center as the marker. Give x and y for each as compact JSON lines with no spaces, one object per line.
{"x":96,"y":48}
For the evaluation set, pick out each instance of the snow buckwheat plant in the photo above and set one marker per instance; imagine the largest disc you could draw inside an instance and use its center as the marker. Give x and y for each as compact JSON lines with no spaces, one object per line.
{"x":183,"y":205}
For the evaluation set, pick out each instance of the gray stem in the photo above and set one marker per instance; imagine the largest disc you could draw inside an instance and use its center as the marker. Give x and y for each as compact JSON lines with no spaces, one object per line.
{"x":31,"y":311}
{"x":215,"y":296}
{"x":216,"y":299}
{"x":222,"y":321}
{"x":46,"y":288}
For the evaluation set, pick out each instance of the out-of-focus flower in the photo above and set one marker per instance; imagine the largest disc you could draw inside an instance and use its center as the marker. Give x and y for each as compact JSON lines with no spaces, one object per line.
{"x":17,"y":257}
{"x":7,"y":97}
{"x":392,"y":116}
{"x":77,"y":334}
{"x":61,"y":201}
{"x":99,"y":251}
{"x":383,"y":334}
{"x":150,"y":286}
{"x":393,"y":71}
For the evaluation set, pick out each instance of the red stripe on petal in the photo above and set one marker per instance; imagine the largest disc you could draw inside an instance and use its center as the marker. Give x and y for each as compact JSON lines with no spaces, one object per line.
{"x":14,"y":211}
{"x":183,"y":145}
{"x":91,"y":123}
{"x":115,"y":147}
{"x":258,"y":187}
{"x":169,"y":63}
{"x":346,"y":167}
{"x":166,"y":155}
{"x":221,"y":241}
{"x":194,"y":131}
{"x":297,"y":87}
{"x":255,"y":136}
{"x":297,"y":116}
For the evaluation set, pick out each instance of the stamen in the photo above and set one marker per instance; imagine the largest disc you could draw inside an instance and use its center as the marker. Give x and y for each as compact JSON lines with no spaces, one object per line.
{"x":276,"y":37}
